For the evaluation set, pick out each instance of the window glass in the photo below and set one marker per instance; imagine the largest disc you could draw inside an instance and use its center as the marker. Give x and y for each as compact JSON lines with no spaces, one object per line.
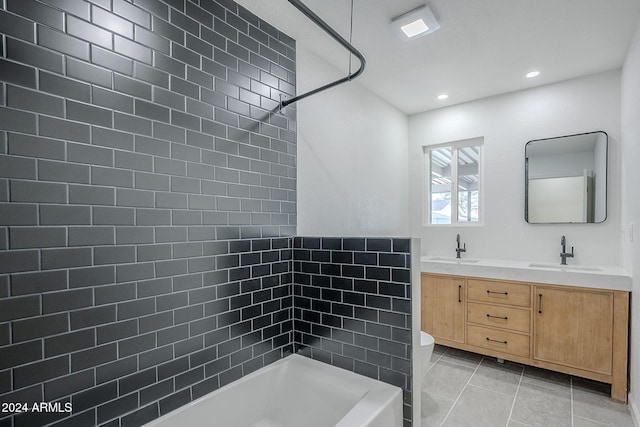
{"x":454,"y":166}
{"x":441,"y":185}
{"x":468,"y":180}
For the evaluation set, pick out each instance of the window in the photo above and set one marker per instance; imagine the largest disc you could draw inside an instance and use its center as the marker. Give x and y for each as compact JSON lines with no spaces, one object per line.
{"x":451,"y":166}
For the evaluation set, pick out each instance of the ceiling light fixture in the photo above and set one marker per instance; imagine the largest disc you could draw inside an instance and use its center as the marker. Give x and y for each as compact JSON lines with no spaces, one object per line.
{"x":532,"y":74}
{"x":415,"y":23}
{"x":443,"y":96}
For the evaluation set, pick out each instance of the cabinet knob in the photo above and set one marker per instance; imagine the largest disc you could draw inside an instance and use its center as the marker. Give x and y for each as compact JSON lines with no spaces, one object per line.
{"x":498,"y":341}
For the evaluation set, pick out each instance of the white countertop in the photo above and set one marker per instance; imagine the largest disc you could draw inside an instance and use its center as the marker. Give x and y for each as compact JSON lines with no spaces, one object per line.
{"x":596,"y":276}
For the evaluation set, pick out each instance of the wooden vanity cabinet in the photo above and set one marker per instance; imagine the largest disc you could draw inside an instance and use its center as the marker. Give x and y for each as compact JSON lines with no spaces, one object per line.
{"x":574,"y":328}
{"x":578,"y":331}
{"x":443,"y":308}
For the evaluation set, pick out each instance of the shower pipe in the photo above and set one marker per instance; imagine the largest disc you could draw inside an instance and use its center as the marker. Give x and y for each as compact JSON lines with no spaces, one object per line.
{"x":337,"y":37}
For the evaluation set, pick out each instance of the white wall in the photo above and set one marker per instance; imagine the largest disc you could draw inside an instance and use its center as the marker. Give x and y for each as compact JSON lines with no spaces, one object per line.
{"x":507,"y":122}
{"x":352,"y":158}
{"x":631,"y":203}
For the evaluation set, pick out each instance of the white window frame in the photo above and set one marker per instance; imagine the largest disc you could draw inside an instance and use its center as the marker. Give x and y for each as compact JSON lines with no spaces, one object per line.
{"x":426,"y":182}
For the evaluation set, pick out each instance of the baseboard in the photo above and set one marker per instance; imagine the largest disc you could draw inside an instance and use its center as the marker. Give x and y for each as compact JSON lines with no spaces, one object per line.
{"x":635,"y":412}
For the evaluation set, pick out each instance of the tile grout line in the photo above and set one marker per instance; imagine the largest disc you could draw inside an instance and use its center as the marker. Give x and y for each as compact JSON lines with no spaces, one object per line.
{"x":462,"y":391}
{"x":515,"y":396}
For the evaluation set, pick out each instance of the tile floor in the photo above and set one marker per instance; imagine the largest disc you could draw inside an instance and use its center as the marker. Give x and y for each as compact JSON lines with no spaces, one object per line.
{"x":465,"y":389}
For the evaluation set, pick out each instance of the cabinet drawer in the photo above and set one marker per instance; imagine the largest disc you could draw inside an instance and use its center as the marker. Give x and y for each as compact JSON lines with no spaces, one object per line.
{"x":518,"y":294}
{"x":499,"y":316}
{"x":498,"y":340}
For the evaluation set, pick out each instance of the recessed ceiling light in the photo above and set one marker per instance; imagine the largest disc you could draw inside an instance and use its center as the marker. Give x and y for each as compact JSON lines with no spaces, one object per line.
{"x":414,"y":28}
{"x":415,"y":23}
{"x":532,"y":74}
{"x":443,"y":96}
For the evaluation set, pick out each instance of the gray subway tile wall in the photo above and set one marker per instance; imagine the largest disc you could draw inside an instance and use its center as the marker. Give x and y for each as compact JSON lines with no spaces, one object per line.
{"x":352,"y":306}
{"x":147,"y":192}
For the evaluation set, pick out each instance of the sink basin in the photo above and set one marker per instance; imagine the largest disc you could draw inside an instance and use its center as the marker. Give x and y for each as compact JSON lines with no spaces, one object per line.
{"x":452,"y":259}
{"x":565,"y":267}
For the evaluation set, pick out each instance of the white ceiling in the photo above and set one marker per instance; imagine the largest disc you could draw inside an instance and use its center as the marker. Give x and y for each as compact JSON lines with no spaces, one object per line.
{"x":483,"y":48}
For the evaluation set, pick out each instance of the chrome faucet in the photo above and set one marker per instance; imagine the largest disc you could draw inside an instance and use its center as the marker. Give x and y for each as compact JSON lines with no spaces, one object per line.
{"x":459,"y":249}
{"x":564,"y":254}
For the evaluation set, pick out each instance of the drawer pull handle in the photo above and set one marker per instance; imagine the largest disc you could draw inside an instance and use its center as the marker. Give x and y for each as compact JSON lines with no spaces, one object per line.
{"x":459,"y":293}
{"x":498,"y":341}
{"x":499,"y":293}
{"x":497,"y":317}
{"x":540,"y":303}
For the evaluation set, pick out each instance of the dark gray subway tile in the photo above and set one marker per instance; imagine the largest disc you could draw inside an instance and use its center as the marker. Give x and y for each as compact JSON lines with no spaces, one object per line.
{"x":39,"y":372}
{"x":152,"y":40}
{"x":91,"y":195}
{"x":132,"y":124}
{"x":134,"y":235}
{"x":111,"y":22}
{"x":82,"y":153}
{"x":70,"y":342}
{"x":91,"y":33}
{"x":117,"y":331}
{"x":16,"y":120}
{"x":38,"y":282}
{"x":64,"y":129}
{"x":40,"y":237}
{"x":111,"y":177}
{"x":61,"y":42}
{"x":89,"y":114}
{"x":162,"y":27}
{"x":128,"y":11}
{"x":92,"y":317}
{"x":113,"y":100}
{"x":37,"y":12}
{"x":16,"y":26}
{"x":114,"y":255}
{"x":63,"y":86}
{"x":111,"y":61}
{"x":65,"y":258}
{"x":91,"y":276}
{"x":132,"y":50}
{"x":16,"y":73}
{"x":49,"y":170}
{"x":30,"y":54}
{"x":185,"y":22}
{"x":38,"y":192}
{"x":33,"y":146}
{"x":93,"y":357}
{"x":17,"y":167}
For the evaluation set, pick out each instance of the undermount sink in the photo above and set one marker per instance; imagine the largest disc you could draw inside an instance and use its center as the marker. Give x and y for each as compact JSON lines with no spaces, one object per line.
{"x":452,"y":259}
{"x":565,"y":267}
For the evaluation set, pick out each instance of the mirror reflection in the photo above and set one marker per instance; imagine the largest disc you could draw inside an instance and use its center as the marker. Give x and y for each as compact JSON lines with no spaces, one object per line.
{"x":566,"y":179}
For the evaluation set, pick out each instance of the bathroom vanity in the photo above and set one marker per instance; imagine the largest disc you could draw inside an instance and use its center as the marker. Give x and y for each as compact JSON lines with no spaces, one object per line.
{"x":538,"y":316}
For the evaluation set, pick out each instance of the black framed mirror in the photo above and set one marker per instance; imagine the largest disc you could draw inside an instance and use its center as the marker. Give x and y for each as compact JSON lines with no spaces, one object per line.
{"x":566,"y":179}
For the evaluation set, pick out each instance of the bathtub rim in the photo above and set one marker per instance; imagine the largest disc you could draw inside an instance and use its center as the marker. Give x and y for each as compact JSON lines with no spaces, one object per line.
{"x":378,"y":392}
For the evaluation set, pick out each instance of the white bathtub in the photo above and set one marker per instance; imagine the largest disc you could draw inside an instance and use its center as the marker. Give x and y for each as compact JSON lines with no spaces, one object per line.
{"x":293,"y":392}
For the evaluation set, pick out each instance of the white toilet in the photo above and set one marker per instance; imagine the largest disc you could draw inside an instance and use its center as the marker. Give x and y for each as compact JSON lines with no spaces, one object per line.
{"x":426,"y":350}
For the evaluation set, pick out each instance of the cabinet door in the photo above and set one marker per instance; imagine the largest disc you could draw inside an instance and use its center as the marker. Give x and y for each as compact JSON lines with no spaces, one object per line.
{"x":574,"y":328}
{"x":443,"y":307}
